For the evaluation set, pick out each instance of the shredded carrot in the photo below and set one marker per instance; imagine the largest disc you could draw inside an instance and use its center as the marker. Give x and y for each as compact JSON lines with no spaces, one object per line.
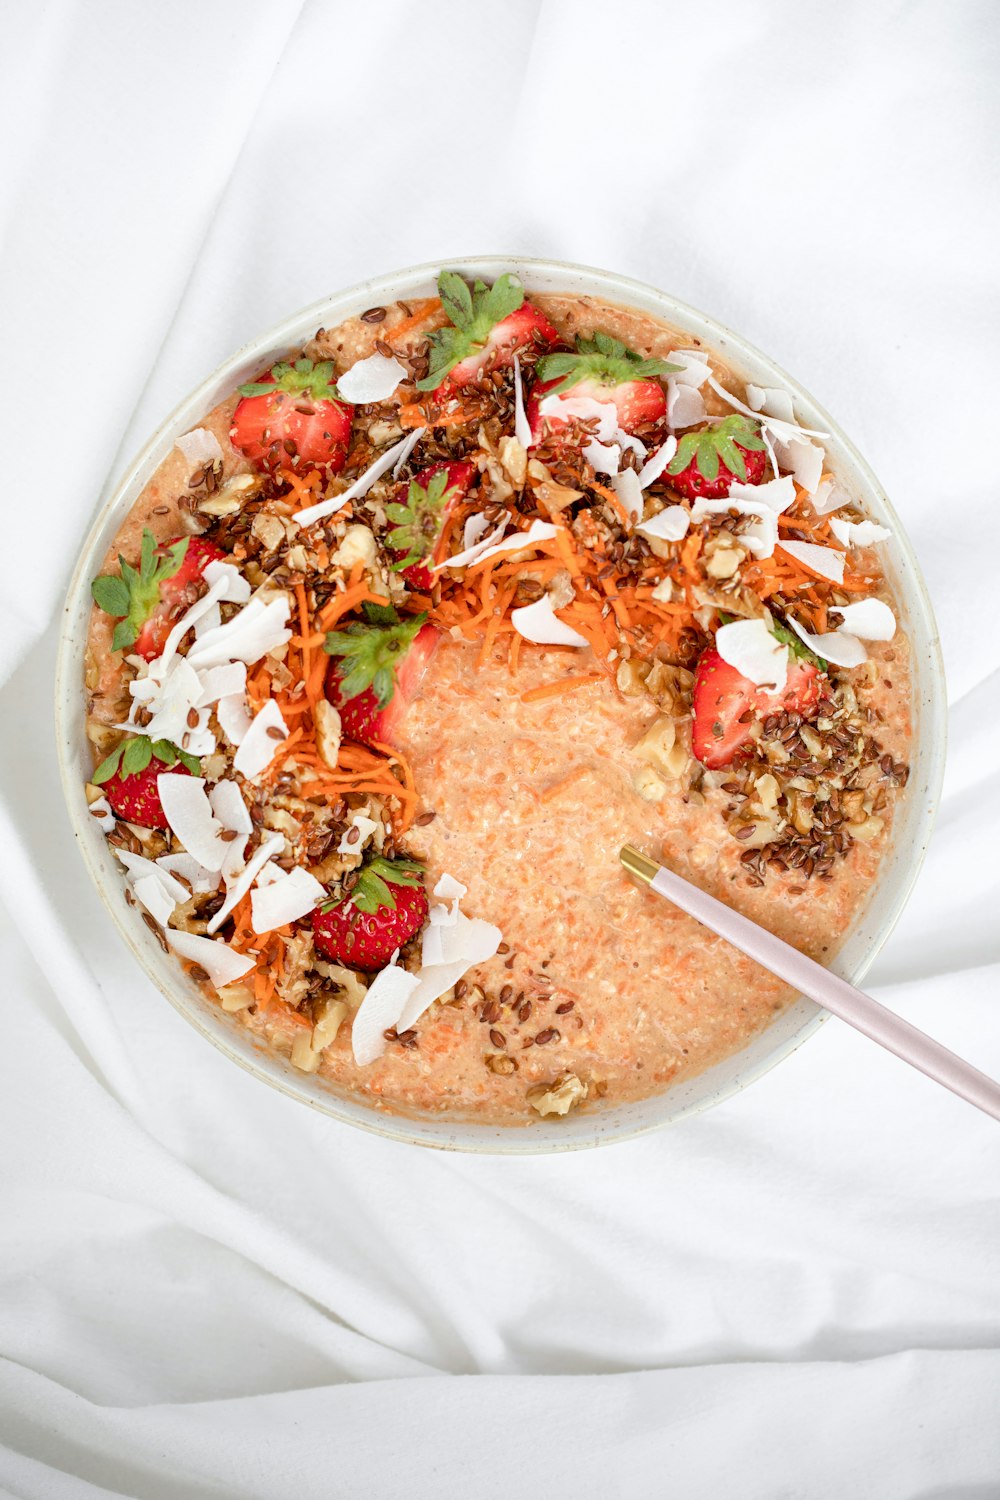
{"x":577,"y":774}
{"x":563,"y":685}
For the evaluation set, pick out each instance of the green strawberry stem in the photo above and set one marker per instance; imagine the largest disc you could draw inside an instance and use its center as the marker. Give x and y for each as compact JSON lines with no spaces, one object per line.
{"x":372,"y":890}
{"x":474,"y":314}
{"x":131,"y":596}
{"x":418,"y":523}
{"x":304,"y":378}
{"x":603,"y":360}
{"x":369,"y":652}
{"x":723,"y":440}
{"x":134,"y":755}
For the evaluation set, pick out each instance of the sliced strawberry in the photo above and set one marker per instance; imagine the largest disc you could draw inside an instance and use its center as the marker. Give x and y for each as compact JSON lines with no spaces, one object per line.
{"x":487,"y":324}
{"x":419,"y":515}
{"x":386,"y":908}
{"x":380,"y":665}
{"x":708,"y":461}
{"x":727,"y":705}
{"x":293,"y":418}
{"x":129,"y":778}
{"x":147,"y":599}
{"x":602,"y":369}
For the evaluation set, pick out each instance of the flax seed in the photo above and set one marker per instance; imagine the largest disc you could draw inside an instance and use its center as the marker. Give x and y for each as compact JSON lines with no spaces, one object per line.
{"x":550,"y":1034}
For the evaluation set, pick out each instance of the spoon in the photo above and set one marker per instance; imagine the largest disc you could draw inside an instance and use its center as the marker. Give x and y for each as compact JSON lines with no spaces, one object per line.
{"x":810,"y":978}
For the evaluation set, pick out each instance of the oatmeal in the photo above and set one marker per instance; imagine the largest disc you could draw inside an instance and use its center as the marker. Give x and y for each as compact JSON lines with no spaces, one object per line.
{"x":414,"y":632}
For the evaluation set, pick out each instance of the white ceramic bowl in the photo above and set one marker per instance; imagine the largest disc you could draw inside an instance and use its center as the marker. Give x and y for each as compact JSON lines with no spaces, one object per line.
{"x":592,"y":1127}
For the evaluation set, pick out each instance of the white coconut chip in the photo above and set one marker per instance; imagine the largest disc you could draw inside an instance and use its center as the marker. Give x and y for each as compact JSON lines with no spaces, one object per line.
{"x":258,"y":628}
{"x":271,"y":846}
{"x":360,"y":487}
{"x":654,"y":466}
{"x":188,"y":868}
{"x":603,"y":458}
{"x":235,"y":588}
{"x":669,"y":525}
{"x":583,"y":409}
{"x":228,"y":681}
{"x":450,"y":889}
{"x":779,"y":494}
{"x":381,"y":1008}
{"x":406,"y":448}
{"x":100,"y":811}
{"x":366,"y":827}
{"x":284,"y":899}
{"x":871,"y":619}
{"x":792,"y":447}
{"x":859,"y":533}
{"x":460,"y":944}
{"x":158,"y":669}
{"x":629,"y":491}
{"x":234,"y":718}
{"x":538,"y":531}
{"x":826,"y":561}
{"x":772,"y":401}
{"x":258,"y":746}
{"x":200,"y":447}
{"x":222,"y":965}
{"x":522,"y":427}
{"x":210,"y":620}
{"x":170,"y":705}
{"x":141,"y":868}
{"x":837,"y":646}
{"x":191,"y":819}
{"x":761,"y":538}
{"x":477,"y":539}
{"x":538,"y":623}
{"x":694,"y":370}
{"x":227,"y":803}
{"x":235,"y":858}
{"x":804,"y":459}
{"x":371,"y":379}
{"x":750,"y":647}
{"x":828,"y":497}
{"x":685,"y":405}
{"x":154,"y":896}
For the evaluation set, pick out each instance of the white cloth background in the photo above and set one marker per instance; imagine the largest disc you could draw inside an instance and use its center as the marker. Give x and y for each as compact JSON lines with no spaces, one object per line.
{"x":206,"y":1290}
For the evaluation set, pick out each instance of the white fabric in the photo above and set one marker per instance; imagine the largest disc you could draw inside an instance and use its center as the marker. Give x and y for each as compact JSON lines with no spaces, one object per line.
{"x":207,"y":1290}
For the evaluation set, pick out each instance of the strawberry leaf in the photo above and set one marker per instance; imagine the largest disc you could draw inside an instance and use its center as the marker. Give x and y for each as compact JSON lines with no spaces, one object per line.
{"x":369,"y":653}
{"x":722,"y":440}
{"x":134,"y":754}
{"x":603,"y":360}
{"x":373,"y":890}
{"x":303,"y":378}
{"x":138,"y":754}
{"x":134,"y":593}
{"x":417,"y":524}
{"x":474,"y":314}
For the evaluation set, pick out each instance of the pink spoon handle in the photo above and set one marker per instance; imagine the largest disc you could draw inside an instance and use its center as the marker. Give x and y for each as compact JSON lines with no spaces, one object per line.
{"x":810,"y":978}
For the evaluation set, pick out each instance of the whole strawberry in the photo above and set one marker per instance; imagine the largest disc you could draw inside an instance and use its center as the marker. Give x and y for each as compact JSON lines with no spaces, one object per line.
{"x":293,"y":418}
{"x":387,"y":907}
{"x":146,"y":600}
{"x":708,"y":461}
{"x":488,"y":324}
{"x":129,"y":773}
{"x":380,"y":663}
{"x":419,"y":515}
{"x":606,"y":370}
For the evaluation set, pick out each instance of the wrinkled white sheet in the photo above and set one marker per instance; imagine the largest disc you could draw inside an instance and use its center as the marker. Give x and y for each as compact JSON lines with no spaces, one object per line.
{"x":206,"y":1290}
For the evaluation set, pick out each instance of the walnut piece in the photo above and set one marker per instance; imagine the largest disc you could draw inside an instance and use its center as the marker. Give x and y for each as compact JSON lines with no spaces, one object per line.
{"x":557,"y":1098}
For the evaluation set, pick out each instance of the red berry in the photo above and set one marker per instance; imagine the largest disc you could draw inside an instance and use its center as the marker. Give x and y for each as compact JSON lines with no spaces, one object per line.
{"x":292,"y":419}
{"x":422,"y":507}
{"x":136,"y":798}
{"x":176,"y":593}
{"x":403,"y":650}
{"x":367,"y":939}
{"x":726,"y":705}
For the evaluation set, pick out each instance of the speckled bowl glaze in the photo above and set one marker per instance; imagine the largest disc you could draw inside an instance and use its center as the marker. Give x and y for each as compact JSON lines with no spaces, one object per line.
{"x":593,"y":1127}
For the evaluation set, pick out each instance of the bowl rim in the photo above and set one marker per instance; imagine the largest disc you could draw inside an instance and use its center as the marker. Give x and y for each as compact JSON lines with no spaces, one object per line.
{"x":444,"y":1132}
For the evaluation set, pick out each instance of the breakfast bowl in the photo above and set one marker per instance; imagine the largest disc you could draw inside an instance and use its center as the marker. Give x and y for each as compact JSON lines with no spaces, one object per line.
{"x":601,"y":1120}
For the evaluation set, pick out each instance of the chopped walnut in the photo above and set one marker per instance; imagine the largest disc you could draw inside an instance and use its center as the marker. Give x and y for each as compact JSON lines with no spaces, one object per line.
{"x":557,"y":1098}
{"x":328,"y":732}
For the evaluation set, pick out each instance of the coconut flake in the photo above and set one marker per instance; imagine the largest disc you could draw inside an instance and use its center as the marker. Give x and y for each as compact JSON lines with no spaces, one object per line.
{"x":858,"y":533}
{"x":258,"y":746}
{"x":760,"y":539}
{"x":779,"y":494}
{"x":828,"y":497}
{"x":522,"y":427}
{"x":654,"y":467}
{"x":188,"y":868}
{"x":478,"y":538}
{"x":100,"y":811}
{"x":234,"y":718}
{"x":228,"y":681}
{"x":235,"y":588}
{"x":538,"y":623}
{"x":450,"y":889}
{"x":170,"y":705}
{"x":582,"y":409}
{"x":267,"y":850}
{"x":371,"y":379}
{"x":538,"y":531}
{"x":406,"y":448}
{"x":838,"y":646}
{"x":283,"y":899}
{"x":685,"y":405}
{"x":629,"y":491}
{"x":258,"y":628}
{"x":805,"y":459}
{"x":871,"y":619}
{"x":669,"y":525}
{"x":826,"y":561}
{"x":141,"y":868}
{"x":694,"y":367}
{"x":772,"y":401}
{"x":227,"y":803}
{"x":360,"y":487}
{"x":222,"y":965}
{"x":379,"y":1010}
{"x":366,"y":827}
{"x":750,"y":647}
{"x":200,"y":447}
{"x":191,"y":819}
{"x":603,"y":458}
{"x":154,"y":896}
{"x":463,"y":943}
